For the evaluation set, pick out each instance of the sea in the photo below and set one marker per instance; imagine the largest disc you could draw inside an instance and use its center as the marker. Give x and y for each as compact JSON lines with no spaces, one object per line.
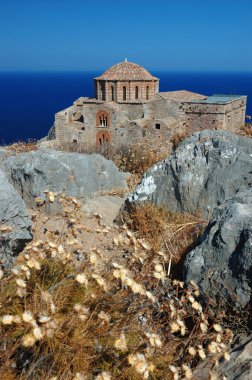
{"x":29,"y":100}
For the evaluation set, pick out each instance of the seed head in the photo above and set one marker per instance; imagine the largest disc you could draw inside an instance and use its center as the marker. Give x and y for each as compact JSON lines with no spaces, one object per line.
{"x":192,"y":351}
{"x":188,"y":372}
{"x":104,"y":316}
{"x":226,"y":356}
{"x":82,"y":279}
{"x":27,"y":317}
{"x":38,"y":335}
{"x":217,"y":328}
{"x":7,"y":319}
{"x":120,"y":343}
{"x":28,"y":340}
{"x":201,"y":353}
{"x":103,"y":376}
{"x":21,"y":283}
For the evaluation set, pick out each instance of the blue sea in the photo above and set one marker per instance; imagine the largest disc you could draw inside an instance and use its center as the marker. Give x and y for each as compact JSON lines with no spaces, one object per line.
{"x":28,"y":101}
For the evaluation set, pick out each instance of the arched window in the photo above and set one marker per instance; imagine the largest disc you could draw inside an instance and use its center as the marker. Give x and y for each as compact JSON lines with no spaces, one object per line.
{"x":136,"y":92}
{"x":124,"y":93}
{"x":102,"y":119}
{"x":112,"y":93}
{"x":103,"y":139}
{"x":147,"y":92}
{"x":102,"y":89}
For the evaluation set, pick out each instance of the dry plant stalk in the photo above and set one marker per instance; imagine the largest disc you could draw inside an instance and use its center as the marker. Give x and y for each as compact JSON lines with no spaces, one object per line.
{"x":102,"y":318}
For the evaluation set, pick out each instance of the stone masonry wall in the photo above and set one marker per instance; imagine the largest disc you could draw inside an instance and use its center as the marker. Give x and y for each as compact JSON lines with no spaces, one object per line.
{"x":153,"y":122}
{"x":126,"y":123}
{"x":199,"y":116}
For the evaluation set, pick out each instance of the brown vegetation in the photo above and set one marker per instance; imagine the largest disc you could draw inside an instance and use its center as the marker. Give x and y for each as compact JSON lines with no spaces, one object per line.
{"x":178,"y":137}
{"x":113,"y":316}
{"x":170,"y":232}
{"x":246,"y":130}
{"x":22,"y":146}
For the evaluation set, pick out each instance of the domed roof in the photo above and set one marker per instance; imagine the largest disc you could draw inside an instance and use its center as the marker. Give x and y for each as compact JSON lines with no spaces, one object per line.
{"x":126,"y":71}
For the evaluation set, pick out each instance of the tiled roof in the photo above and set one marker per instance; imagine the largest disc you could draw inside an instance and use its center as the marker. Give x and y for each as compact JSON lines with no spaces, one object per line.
{"x":182,"y":95}
{"x":126,"y":71}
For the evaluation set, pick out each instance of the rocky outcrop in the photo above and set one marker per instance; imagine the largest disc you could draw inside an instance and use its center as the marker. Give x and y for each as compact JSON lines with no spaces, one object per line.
{"x":74,"y":174}
{"x":222,"y":263}
{"x":204,"y":171}
{"x":15,"y":224}
{"x":4,"y":153}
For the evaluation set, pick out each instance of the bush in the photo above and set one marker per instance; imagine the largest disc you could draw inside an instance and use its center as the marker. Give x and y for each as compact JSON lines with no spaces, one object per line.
{"x":178,"y":137}
{"x":137,"y":159}
{"x":22,"y":146}
{"x":173,"y":233}
{"x":246,"y":130}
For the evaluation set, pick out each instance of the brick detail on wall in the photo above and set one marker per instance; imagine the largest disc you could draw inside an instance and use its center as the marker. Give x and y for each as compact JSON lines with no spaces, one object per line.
{"x":103,"y":138}
{"x":103,"y":119}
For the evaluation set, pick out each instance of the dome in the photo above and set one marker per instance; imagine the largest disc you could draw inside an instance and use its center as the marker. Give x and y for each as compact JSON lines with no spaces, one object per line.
{"x":126,"y":71}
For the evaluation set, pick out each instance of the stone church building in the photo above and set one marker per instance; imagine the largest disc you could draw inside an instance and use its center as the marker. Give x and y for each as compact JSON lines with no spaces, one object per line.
{"x":128,"y":108}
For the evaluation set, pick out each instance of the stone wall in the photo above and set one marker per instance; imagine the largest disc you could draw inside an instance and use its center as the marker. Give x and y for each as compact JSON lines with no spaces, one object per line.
{"x":199,"y":116}
{"x":91,"y":122}
{"x":125,"y":124}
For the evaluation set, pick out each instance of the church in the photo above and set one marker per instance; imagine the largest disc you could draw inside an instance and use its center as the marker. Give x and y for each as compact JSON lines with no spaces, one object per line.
{"x":128,"y":108}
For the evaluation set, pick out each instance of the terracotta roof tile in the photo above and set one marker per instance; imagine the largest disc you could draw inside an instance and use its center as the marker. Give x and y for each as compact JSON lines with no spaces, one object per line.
{"x":126,"y":71}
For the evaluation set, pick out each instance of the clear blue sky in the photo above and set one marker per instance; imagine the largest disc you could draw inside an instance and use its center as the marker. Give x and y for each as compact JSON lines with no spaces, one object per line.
{"x":158,"y":34}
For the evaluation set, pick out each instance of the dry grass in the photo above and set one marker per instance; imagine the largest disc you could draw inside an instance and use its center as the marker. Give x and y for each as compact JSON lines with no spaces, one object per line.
{"x":178,"y":137}
{"x":246,"y":130}
{"x":106,"y":317}
{"x":22,"y":146}
{"x":173,"y":233}
{"x":135,"y":160}
{"x":138,"y":158}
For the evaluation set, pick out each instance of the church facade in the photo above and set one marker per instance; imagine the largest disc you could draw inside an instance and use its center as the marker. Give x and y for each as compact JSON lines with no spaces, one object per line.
{"x":128,"y":108}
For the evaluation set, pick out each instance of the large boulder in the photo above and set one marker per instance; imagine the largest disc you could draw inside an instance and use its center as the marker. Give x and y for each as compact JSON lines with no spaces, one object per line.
{"x":222,"y":263}
{"x":204,"y":171}
{"x":15,"y":223}
{"x":74,"y":174}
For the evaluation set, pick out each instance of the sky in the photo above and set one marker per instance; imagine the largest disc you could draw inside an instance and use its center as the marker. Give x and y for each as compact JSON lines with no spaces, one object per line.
{"x":85,"y":35}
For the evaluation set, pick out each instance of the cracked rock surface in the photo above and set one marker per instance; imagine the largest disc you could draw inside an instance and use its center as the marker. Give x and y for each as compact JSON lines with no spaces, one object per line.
{"x":222,"y":263}
{"x":13,"y":214}
{"x":74,"y":174}
{"x":205,"y":170}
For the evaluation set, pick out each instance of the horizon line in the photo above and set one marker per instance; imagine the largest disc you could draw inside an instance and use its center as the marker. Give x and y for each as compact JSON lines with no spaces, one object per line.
{"x":154,"y":70}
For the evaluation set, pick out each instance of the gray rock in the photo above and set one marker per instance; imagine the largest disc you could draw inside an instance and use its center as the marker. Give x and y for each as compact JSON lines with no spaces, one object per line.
{"x":204,"y":171}
{"x":74,"y":174}
{"x":13,"y":213}
{"x":107,"y":206}
{"x":240,"y":365}
{"x":222,"y":263}
{"x":51,"y":134}
{"x":4,"y":153}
